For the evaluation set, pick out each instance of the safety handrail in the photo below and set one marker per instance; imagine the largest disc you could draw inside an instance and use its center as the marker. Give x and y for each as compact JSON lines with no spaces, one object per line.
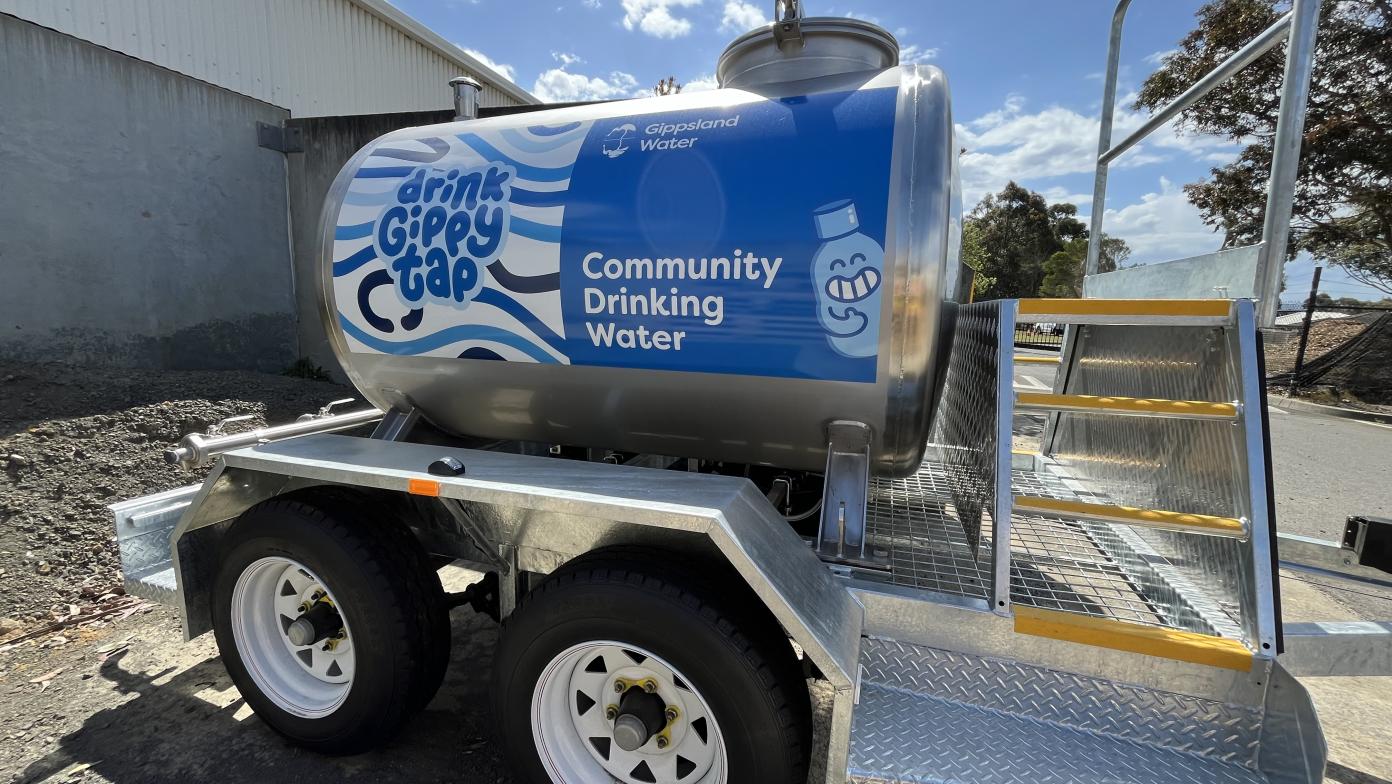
{"x":1299,"y":25}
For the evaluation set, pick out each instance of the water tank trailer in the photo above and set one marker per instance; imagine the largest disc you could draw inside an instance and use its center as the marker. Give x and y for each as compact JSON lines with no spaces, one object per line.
{"x":691,"y":377}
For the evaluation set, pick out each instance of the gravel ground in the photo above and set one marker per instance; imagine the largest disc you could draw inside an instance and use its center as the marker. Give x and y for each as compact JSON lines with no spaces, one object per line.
{"x":75,"y":439}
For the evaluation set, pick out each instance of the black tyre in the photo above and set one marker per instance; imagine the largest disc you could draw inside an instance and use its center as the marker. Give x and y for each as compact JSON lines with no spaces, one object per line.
{"x":631,"y":665}
{"x":330,"y":569}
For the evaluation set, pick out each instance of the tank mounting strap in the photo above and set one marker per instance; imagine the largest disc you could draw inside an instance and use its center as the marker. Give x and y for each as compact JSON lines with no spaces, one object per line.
{"x":841,"y":535}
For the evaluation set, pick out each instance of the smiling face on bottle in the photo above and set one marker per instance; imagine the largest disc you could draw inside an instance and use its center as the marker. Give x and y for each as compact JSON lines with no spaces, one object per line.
{"x":847,"y":273}
{"x":850,"y":279}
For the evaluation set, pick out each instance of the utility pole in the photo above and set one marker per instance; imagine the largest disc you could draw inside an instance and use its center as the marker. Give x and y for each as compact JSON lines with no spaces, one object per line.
{"x":1305,"y":330}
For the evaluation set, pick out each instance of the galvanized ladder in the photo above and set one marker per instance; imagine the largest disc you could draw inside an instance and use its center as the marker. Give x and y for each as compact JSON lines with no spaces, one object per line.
{"x":1102,"y":609}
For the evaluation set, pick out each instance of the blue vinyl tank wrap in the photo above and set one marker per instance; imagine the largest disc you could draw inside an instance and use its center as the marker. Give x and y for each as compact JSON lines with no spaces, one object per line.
{"x":743,"y":237}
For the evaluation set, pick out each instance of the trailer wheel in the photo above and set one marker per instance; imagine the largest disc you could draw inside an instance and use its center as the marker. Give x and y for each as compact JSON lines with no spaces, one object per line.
{"x":332,"y":626}
{"x":629,"y":669}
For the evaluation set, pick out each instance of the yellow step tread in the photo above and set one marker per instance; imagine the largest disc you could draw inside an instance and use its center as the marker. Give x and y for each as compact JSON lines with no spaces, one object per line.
{"x":1134,"y":637}
{"x":1128,"y":405}
{"x":1130,"y":515}
{"x":1178,"y":308}
{"x":1028,"y":359}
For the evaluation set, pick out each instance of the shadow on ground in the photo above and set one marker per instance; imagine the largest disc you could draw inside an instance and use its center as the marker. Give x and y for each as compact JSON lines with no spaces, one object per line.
{"x":177,"y":730}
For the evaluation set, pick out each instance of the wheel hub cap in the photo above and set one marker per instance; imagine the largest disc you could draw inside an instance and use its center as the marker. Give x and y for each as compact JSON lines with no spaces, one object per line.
{"x":291,"y":637}
{"x":607,"y":709}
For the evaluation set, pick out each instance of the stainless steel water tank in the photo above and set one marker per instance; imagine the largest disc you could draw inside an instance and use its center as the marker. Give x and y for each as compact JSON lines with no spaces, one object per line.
{"x":714,"y":274}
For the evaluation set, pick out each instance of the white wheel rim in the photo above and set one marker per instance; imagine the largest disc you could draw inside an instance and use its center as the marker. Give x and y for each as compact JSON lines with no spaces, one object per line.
{"x":310,"y":681}
{"x":574,"y":737}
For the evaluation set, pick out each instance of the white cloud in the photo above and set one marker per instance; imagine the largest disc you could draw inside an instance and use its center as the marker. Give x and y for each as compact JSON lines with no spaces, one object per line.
{"x":1158,"y":58}
{"x":566,"y":58}
{"x":854,"y":14}
{"x":590,"y":3}
{"x":1162,"y":226}
{"x":1011,"y":143}
{"x":559,"y":85}
{"x":700,"y":84}
{"x":507,"y":71}
{"x":655,"y":17}
{"x":913,"y":53}
{"x":1014,"y":143}
{"x":1058,"y":194}
{"x":741,"y":17}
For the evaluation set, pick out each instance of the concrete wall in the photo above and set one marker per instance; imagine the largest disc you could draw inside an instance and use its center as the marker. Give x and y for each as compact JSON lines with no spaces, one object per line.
{"x":328,"y":144}
{"x":140,"y":223}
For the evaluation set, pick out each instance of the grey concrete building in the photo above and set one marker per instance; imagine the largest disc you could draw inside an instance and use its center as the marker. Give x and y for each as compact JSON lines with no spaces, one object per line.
{"x":148,"y":215}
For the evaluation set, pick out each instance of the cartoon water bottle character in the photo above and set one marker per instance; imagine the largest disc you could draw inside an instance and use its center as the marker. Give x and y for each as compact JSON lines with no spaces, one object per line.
{"x":847,"y":271}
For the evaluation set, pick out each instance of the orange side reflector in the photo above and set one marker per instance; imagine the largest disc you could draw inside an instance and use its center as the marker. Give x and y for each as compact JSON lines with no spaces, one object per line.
{"x":423,"y":487}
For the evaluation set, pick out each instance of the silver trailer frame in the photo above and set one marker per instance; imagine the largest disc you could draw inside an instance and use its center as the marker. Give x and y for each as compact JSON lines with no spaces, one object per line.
{"x":953,"y":631}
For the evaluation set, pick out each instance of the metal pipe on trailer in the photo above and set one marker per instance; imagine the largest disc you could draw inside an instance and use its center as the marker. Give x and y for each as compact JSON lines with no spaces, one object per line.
{"x":196,"y":450}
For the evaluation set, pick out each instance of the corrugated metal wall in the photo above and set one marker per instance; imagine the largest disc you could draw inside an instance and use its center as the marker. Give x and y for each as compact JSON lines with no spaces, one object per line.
{"x":317,"y":58}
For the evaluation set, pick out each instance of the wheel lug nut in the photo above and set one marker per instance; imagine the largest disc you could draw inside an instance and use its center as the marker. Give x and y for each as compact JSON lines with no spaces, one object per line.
{"x":618,"y":687}
{"x":649,"y":686}
{"x":611,"y":712}
{"x":662,"y":741}
{"x":671,"y":714}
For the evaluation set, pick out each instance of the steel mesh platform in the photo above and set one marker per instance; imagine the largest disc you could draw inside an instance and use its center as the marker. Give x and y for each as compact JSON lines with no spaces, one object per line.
{"x":1089,"y":568}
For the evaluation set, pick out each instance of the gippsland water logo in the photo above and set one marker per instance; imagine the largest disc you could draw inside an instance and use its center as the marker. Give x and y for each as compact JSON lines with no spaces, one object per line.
{"x":444,"y":230}
{"x":616,"y":143}
{"x":847,"y":271}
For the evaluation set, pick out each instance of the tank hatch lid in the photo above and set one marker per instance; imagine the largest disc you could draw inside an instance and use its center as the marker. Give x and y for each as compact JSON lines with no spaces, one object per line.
{"x":796,"y":48}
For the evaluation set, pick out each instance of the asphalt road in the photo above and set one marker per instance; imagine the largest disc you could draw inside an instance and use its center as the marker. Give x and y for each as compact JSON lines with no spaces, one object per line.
{"x":1327,"y":469}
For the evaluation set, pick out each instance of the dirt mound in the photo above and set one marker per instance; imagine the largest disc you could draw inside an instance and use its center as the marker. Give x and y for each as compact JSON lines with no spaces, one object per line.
{"x":75,"y":439}
{"x":1360,"y":368}
{"x":1325,"y":336}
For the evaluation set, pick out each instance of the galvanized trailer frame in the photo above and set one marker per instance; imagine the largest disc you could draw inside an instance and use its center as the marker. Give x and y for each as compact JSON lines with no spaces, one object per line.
{"x":1078,"y":645}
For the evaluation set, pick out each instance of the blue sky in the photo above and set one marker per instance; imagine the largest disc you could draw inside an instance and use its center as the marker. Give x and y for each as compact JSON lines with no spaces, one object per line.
{"x":1025,"y":78}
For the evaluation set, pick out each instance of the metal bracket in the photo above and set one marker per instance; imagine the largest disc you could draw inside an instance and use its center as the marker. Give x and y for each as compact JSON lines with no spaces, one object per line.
{"x":1363,"y":556}
{"x":841,"y":535}
{"x":281,"y":138}
{"x":787,"y":22}
{"x":396,"y":424}
{"x":1370,"y":539}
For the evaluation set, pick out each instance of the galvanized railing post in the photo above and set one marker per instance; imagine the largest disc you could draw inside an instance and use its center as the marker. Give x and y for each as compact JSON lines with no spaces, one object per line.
{"x":1104,"y":138}
{"x":1003,"y":499}
{"x":1299,"y":25}
{"x":1285,"y":160}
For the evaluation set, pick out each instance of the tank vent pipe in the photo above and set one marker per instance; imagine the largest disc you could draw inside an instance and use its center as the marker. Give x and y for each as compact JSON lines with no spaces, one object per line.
{"x":466,"y":97}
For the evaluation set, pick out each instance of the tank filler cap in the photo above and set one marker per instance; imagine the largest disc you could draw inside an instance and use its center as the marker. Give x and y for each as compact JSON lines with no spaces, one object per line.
{"x":795,"y":48}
